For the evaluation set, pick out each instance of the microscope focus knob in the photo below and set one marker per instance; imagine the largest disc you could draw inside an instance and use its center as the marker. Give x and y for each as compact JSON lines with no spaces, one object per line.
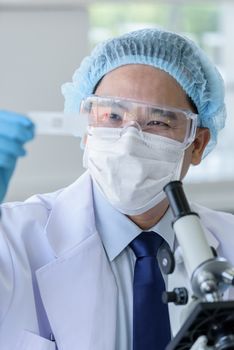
{"x":179,"y":296}
{"x":166,"y":259}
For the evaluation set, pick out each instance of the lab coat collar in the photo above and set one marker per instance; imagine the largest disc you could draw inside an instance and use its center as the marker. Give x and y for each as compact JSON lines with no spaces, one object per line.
{"x":75,"y":205}
{"x":73,"y":210}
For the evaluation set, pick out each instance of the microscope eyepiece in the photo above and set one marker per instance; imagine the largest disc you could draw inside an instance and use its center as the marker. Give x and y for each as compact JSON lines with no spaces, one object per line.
{"x":177,"y":199}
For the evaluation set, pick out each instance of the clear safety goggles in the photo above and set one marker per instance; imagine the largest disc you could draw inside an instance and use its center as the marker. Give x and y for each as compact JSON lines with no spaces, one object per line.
{"x":115,"y":112}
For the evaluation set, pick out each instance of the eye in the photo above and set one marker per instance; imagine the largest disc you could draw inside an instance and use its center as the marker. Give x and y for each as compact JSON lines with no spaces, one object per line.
{"x":163,"y":118}
{"x":115,"y":117}
{"x":159,"y":123}
{"x":110,"y":119}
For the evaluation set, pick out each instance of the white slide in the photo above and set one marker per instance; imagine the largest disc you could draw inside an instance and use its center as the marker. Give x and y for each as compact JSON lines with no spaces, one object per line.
{"x":58,"y":123}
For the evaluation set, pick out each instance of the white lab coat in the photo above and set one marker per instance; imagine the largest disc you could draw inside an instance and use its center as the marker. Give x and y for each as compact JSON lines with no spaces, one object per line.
{"x":50,"y":241}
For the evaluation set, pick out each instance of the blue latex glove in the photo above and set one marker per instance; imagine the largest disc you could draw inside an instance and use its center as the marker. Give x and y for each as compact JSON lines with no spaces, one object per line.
{"x":15,"y":130}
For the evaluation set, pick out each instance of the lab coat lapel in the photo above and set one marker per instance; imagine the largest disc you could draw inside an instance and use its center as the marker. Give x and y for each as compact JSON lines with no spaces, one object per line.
{"x":78,"y":288}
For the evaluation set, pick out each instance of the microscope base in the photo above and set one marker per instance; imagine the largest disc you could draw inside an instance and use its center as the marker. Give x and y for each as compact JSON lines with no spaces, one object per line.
{"x":215,"y":320}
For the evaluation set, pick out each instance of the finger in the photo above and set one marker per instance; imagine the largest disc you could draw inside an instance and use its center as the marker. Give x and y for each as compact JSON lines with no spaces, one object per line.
{"x":13,"y":117}
{"x":16,"y":131}
{"x":11,"y":147}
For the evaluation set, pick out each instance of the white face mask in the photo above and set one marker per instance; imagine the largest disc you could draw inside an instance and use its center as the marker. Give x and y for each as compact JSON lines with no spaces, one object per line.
{"x":131,"y":169}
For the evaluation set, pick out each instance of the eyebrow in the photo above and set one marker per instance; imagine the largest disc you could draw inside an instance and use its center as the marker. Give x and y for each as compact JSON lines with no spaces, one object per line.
{"x":121,"y":106}
{"x":171,"y":114}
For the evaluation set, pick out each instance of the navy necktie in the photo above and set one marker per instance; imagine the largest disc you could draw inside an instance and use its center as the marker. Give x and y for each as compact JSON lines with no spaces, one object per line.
{"x":151,"y":326}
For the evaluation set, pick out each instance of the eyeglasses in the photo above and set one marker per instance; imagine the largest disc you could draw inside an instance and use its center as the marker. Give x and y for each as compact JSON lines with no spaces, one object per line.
{"x":115,"y":112}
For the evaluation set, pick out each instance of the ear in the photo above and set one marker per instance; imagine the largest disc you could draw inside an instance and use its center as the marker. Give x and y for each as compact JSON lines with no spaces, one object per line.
{"x":199,"y":144}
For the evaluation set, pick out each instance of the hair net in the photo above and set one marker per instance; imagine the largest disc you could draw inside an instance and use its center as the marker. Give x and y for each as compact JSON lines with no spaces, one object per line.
{"x":173,"y":53}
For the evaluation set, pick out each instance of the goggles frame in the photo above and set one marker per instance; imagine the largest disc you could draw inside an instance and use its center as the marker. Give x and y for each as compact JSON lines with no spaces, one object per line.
{"x":189,"y":115}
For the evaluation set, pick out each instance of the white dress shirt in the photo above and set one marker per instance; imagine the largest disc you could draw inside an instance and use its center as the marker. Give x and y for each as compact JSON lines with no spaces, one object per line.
{"x":117,"y":231}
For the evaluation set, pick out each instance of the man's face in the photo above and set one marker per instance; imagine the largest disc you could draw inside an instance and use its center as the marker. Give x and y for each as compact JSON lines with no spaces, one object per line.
{"x":148,"y":84}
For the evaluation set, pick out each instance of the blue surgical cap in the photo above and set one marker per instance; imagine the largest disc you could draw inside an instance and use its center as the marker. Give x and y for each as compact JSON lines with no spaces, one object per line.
{"x":168,"y":51}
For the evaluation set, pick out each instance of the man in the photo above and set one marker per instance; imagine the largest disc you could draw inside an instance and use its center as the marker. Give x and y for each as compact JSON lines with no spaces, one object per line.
{"x":78,"y":266}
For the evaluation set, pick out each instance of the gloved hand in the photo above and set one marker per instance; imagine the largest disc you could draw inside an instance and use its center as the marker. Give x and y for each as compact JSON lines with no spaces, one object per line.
{"x":15,"y":130}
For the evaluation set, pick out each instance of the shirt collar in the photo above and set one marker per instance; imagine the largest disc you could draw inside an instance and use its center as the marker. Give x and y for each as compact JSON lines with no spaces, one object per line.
{"x":117,"y":230}
{"x":164,"y":228}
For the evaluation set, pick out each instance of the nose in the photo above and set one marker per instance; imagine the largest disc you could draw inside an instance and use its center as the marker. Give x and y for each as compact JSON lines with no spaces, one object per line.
{"x":132,"y":123}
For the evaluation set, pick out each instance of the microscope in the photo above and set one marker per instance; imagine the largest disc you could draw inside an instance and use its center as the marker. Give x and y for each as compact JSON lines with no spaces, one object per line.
{"x":210,"y":324}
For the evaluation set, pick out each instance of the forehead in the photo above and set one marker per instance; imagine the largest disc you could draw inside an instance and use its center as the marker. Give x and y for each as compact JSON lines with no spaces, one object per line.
{"x":143,"y":83}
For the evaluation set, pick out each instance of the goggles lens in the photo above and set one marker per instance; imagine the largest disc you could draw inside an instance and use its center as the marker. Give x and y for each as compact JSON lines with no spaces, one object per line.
{"x":109,"y":112}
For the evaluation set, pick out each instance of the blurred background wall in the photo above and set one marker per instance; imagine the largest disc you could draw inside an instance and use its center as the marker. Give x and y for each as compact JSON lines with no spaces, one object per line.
{"x":42,"y":43}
